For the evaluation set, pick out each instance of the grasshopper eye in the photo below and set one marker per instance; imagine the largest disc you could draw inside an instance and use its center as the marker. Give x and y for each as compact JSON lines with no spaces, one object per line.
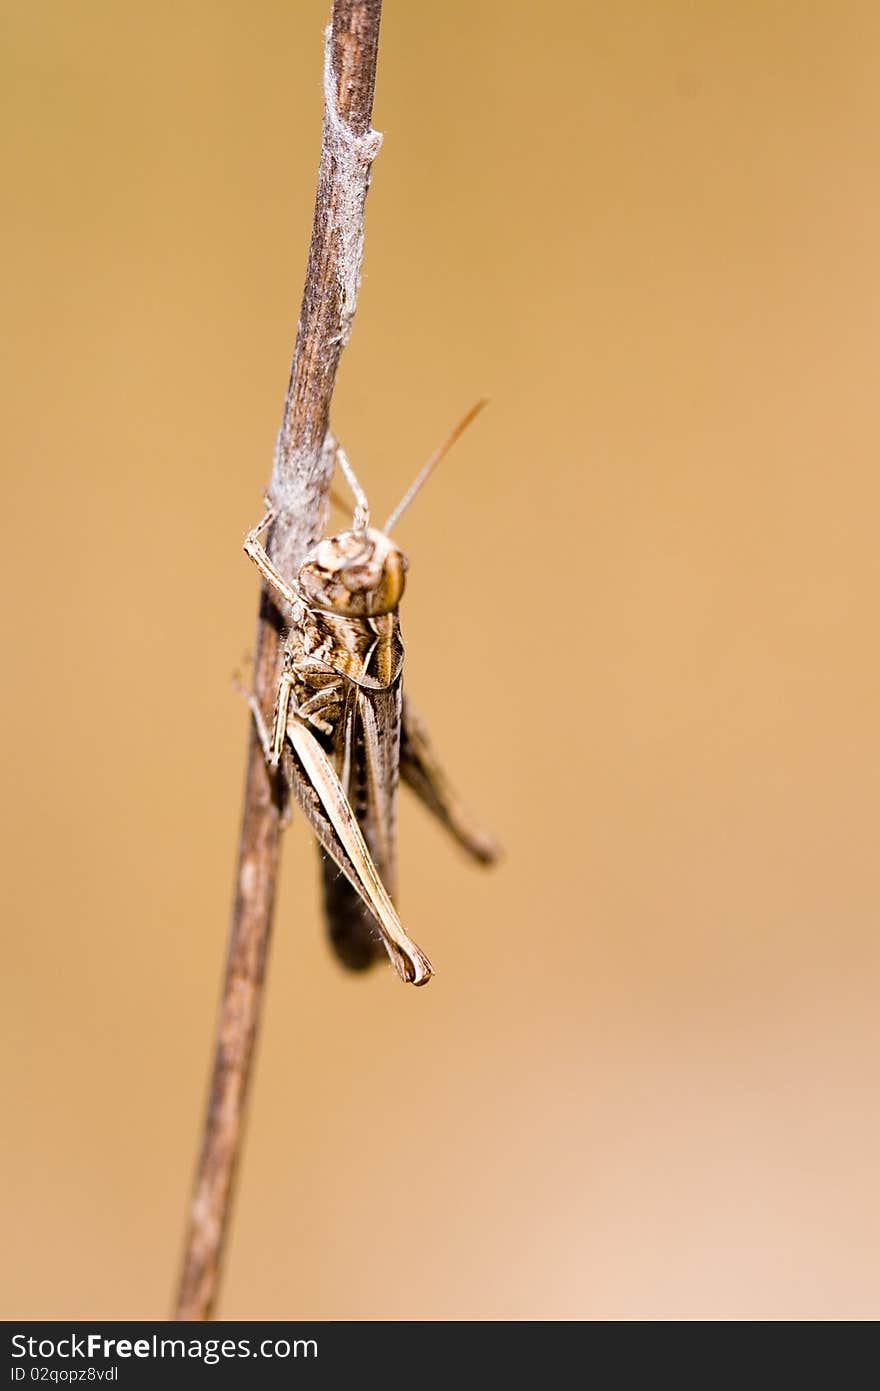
{"x":393,"y":579}
{"x":379,"y":584}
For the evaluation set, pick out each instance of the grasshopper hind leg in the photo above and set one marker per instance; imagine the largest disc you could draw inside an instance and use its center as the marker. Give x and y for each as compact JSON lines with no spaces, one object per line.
{"x":420,"y":770}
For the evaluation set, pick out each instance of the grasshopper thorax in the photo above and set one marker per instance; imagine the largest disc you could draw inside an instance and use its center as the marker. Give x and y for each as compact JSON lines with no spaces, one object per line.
{"x":354,"y":573}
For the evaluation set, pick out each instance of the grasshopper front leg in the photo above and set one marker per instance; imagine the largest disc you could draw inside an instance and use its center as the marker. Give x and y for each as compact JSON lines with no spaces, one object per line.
{"x":420,"y":770}
{"x":254,"y":548}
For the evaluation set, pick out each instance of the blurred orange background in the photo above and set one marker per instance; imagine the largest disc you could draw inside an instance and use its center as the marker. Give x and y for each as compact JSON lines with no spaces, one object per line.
{"x":641,"y":624}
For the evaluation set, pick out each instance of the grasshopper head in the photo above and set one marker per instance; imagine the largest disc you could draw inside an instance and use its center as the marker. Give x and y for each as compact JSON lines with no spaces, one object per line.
{"x":355,"y":573}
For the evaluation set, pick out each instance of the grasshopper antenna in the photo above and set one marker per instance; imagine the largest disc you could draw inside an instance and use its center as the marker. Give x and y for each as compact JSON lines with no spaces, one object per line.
{"x":425,"y":473}
{"x":361,"y":519}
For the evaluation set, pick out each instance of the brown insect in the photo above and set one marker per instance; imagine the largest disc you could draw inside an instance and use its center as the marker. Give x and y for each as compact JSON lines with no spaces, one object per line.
{"x":344,"y":732}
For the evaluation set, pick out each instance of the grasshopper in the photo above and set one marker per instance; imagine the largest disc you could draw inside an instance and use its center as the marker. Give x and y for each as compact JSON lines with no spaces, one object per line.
{"x":345,"y":730}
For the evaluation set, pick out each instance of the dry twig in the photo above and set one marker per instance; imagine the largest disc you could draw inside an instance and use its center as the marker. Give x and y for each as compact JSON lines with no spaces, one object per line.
{"x":299,"y":490}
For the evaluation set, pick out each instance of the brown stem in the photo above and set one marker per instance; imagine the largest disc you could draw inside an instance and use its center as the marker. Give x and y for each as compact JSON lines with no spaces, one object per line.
{"x":299,"y":491}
